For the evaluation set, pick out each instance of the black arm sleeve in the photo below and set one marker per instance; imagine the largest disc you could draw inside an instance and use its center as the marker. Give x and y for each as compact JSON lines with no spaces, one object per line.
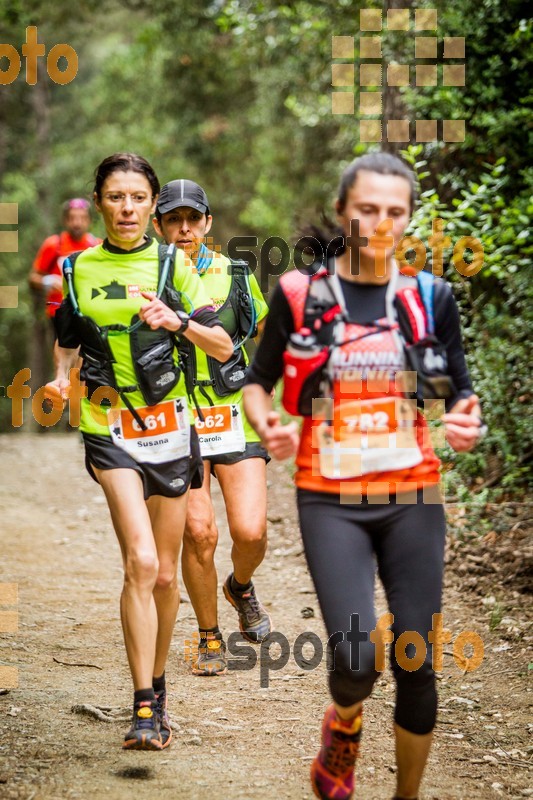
{"x":64,"y":325}
{"x":206,"y":316}
{"x":448,"y":331}
{"x":267,"y":367}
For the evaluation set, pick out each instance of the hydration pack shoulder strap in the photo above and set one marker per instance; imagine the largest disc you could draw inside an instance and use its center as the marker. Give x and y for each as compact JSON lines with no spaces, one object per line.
{"x":424,"y":353}
{"x":242,"y":294}
{"x":237,"y":313}
{"x":315,"y":299}
{"x":413,"y":306}
{"x":295,"y":287}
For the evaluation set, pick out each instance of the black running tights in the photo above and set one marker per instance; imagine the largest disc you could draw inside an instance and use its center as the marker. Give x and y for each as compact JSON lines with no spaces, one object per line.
{"x":343,"y":544}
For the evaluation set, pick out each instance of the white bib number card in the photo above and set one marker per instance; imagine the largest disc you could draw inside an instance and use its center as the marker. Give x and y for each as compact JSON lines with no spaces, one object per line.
{"x":368,"y":436}
{"x":221,"y":430}
{"x":167,"y":434}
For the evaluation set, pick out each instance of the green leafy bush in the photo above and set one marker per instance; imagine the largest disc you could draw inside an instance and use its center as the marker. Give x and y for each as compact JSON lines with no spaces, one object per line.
{"x":495,"y":306}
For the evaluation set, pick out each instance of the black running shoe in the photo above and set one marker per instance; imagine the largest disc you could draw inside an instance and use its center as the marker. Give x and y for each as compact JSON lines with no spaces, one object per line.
{"x":211,"y":658}
{"x":145,"y":731}
{"x":254,"y":620}
{"x":162,"y":713}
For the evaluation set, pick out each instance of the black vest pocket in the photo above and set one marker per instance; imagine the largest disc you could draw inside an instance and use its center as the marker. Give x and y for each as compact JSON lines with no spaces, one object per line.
{"x":97,"y":367}
{"x":152,"y":353}
{"x":428,"y":358}
{"x":228,"y":377}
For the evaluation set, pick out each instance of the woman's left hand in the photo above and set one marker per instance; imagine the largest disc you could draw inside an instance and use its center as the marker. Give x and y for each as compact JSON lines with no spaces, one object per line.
{"x":463,"y":424}
{"x":158,"y":315}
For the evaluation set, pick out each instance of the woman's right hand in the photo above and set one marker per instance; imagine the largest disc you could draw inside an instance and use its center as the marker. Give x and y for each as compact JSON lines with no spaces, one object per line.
{"x":280,"y":440}
{"x":57,"y":392}
{"x":463,"y":424}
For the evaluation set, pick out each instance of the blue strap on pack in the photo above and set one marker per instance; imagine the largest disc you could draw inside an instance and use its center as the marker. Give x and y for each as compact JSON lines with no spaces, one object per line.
{"x":67,"y":274}
{"x":204,"y":260}
{"x":425,"y":282}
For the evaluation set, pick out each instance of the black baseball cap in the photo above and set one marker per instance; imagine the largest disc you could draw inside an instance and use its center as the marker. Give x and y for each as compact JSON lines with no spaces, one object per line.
{"x":182,"y":193}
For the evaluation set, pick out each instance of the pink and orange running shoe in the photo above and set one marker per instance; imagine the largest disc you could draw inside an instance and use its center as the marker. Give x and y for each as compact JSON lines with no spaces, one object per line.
{"x":332,"y":771}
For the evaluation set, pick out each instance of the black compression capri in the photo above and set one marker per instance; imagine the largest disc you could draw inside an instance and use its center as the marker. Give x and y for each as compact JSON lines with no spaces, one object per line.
{"x":342,"y":544}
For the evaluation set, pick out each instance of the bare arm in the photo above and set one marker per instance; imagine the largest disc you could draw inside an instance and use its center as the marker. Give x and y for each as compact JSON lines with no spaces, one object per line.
{"x":260,"y":330}
{"x":463,"y":424}
{"x":65,"y":359}
{"x":38,"y":281}
{"x":281,"y":440}
{"x":42,"y":276}
{"x":213,"y":341}
{"x":35,"y":280}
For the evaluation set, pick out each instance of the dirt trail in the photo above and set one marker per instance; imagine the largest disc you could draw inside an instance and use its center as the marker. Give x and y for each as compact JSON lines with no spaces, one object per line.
{"x":234,"y":739}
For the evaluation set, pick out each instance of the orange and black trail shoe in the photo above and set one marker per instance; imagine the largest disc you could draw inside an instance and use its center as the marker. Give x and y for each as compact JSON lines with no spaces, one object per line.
{"x":145,"y":732}
{"x":211,"y":658}
{"x":164,"y":721}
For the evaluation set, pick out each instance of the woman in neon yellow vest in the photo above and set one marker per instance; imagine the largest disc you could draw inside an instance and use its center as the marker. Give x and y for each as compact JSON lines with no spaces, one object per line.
{"x":230,"y":447}
{"x":144,"y":454}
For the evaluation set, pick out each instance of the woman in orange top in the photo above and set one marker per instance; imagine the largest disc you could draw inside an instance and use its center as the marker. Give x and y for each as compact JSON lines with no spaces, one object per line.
{"x":366,"y":472}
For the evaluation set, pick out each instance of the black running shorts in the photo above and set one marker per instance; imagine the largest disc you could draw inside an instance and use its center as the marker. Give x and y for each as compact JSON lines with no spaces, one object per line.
{"x":252,"y":450}
{"x":170,"y":479}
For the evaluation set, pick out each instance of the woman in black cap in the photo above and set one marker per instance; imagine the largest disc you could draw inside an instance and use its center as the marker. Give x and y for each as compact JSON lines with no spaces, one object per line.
{"x":230,"y":447}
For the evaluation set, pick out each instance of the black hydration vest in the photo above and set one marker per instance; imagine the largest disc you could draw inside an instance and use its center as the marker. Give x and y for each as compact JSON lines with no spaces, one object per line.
{"x":424,"y":354}
{"x":152,"y":351}
{"x":238,"y":319}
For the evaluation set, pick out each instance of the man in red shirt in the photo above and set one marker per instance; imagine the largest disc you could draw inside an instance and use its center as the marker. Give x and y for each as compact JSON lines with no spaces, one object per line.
{"x":46,"y":281}
{"x":46,"y":275}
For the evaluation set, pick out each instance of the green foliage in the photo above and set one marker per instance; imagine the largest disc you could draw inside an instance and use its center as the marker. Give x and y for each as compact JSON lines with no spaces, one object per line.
{"x":496,"y":99}
{"x":237,"y":95}
{"x":496,"y":615}
{"x":470,"y":509}
{"x":496,"y":311}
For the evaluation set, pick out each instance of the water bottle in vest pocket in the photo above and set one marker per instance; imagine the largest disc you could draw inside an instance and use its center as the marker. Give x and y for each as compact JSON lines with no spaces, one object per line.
{"x":303,"y":372}
{"x":424,"y":354}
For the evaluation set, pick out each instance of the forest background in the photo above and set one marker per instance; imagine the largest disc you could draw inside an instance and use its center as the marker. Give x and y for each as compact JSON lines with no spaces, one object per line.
{"x":237,"y":95}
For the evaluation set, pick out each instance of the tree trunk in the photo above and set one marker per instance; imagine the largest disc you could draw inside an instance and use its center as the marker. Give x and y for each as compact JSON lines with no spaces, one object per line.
{"x":41,"y":343}
{"x":393,"y":105}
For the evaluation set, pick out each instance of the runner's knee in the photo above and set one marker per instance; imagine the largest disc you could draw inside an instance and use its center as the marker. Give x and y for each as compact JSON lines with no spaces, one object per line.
{"x":166,"y":578}
{"x":250,"y":537}
{"x":141,"y":567}
{"x":354,"y":673}
{"x":201,"y":536}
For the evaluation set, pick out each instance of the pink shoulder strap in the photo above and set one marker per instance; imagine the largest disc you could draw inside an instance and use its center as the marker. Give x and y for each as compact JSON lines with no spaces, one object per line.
{"x":295,"y":287}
